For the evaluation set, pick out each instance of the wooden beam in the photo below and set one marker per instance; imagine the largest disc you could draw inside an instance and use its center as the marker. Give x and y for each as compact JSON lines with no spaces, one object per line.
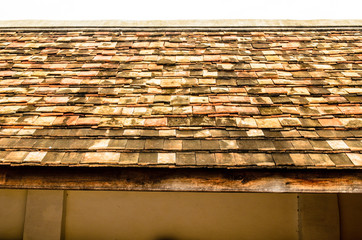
{"x":168,"y":179}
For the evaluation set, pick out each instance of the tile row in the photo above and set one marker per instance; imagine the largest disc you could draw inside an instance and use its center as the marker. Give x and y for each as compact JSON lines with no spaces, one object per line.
{"x":154,"y":62}
{"x":184,"y":120}
{"x":189,"y":41}
{"x":218,"y":77}
{"x":163,"y":109}
{"x":198,"y":159}
{"x":181,"y":145}
{"x":320,"y":104}
{"x":179,"y":85}
{"x":210,"y":133}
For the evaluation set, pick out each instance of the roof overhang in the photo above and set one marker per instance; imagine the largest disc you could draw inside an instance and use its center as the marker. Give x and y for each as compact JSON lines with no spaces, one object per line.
{"x":183,"y":180}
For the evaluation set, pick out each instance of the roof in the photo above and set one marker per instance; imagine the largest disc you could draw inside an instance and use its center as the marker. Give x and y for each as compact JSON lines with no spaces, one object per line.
{"x":195,"y":99}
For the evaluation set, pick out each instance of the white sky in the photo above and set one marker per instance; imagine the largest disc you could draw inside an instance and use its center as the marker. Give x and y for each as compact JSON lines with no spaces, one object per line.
{"x":178,"y":10}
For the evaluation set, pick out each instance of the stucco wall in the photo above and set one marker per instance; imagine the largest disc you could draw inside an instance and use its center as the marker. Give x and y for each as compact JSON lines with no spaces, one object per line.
{"x":140,"y":215}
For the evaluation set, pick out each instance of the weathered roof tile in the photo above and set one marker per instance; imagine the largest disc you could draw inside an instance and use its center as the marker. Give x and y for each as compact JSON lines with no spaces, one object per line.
{"x":321,"y":159}
{"x":101,"y":157}
{"x":205,"y":159}
{"x":166,"y":158}
{"x":340,"y":160}
{"x":117,"y":144}
{"x":302,"y":145}
{"x":154,"y":143}
{"x":128,"y":158}
{"x":147,"y":158}
{"x":225,"y":159}
{"x":356,"y":158}
{"x":209,"y":145}
{"x":282,"y":159}
{"x":301,"y":159}
{"x":134,"y":144}
{"x":337,"y":144}
{"x":185,"y":158}
{"x":53,"y":158}
{"x":268,"y":123}
{"x":15,"y":157}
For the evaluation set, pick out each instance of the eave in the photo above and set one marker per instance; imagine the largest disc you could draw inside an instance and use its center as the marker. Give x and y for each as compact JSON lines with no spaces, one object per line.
{"x":183,"y":180}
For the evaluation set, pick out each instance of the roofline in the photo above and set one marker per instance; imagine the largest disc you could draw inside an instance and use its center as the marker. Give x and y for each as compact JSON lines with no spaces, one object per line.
{"x":183,"y":29}
{"x":222,"y":23}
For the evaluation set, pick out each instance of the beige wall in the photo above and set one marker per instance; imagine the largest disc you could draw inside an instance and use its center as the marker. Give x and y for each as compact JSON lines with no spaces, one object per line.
{"x":12,"y":212}
{"x":141,"y":215}
{"x":147,"y":215}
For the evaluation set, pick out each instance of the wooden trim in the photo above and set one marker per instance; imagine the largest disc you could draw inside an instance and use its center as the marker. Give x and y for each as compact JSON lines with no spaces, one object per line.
{"x":192,"y":180}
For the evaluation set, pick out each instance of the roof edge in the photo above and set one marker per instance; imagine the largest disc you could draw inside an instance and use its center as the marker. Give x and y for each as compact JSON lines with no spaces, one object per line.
{"x":184,"y":23}
{"x":181,"y":180}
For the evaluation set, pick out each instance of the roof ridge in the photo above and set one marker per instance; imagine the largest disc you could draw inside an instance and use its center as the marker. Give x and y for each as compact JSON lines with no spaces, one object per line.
{"x":183,"y":23}
{"x":183,"y":28}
